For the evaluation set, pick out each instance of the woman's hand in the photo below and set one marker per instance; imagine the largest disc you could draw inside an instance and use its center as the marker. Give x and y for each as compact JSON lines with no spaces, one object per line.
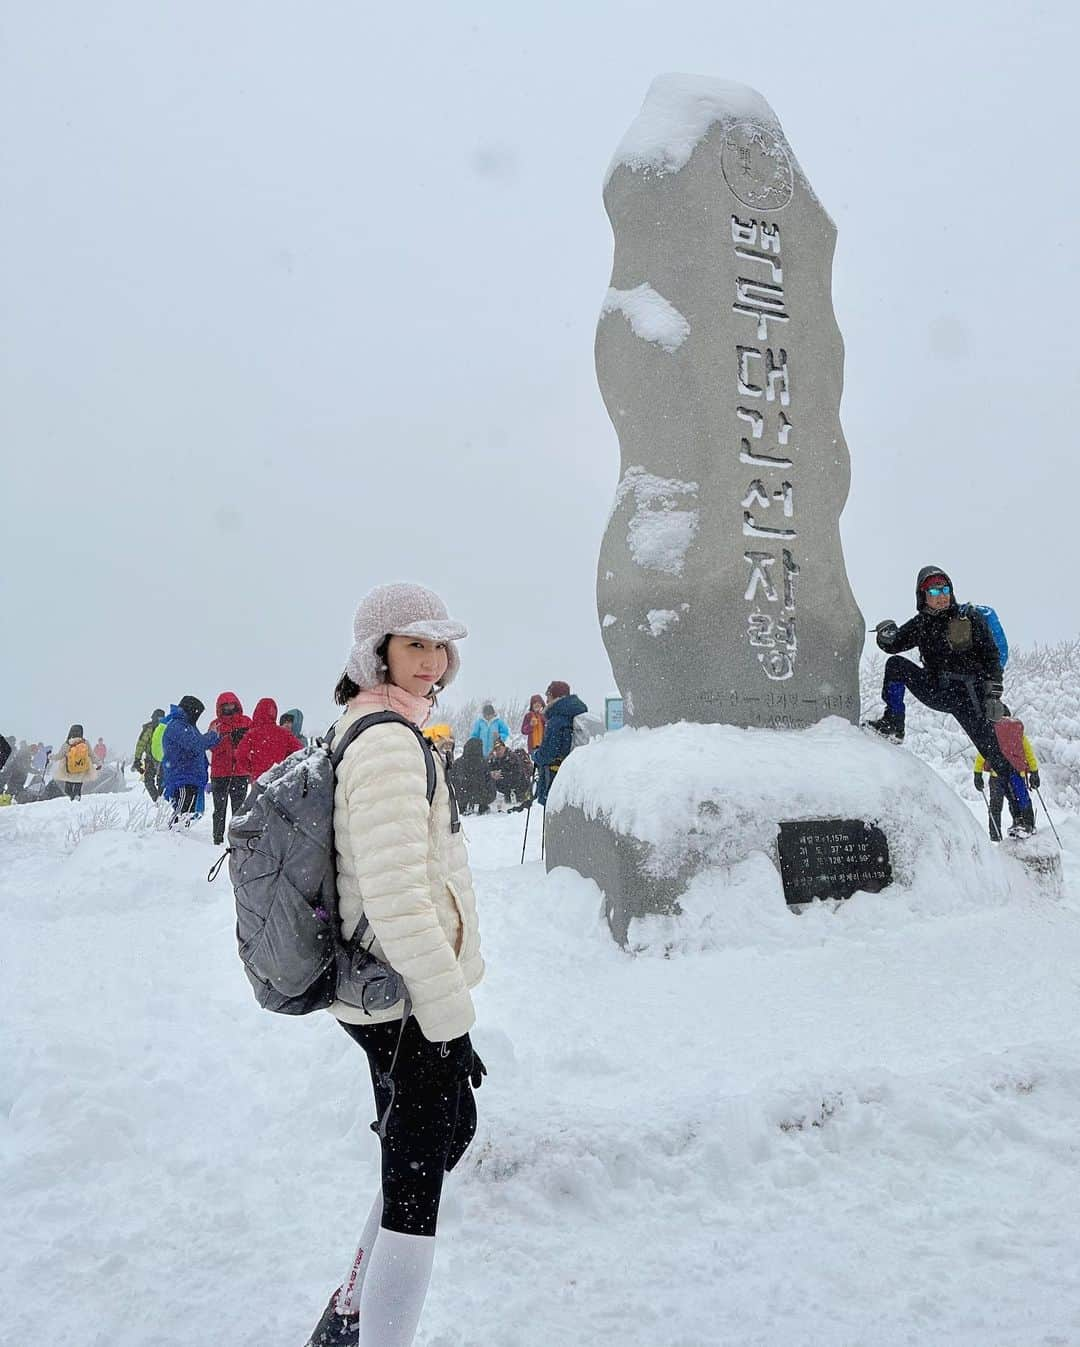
{"x":463,"y":1062}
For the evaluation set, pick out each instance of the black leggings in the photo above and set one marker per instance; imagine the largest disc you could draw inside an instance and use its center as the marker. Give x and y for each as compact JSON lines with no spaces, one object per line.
{"x":73,"y":790}
{"x":227,"y":790}
{"x":431,"y":1122}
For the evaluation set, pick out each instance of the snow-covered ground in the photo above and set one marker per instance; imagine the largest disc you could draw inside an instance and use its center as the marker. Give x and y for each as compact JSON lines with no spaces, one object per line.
{"x":860,"y":1130}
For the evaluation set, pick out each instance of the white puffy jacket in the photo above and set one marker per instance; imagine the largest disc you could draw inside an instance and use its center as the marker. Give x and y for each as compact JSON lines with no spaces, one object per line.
{"x":400,"y":865}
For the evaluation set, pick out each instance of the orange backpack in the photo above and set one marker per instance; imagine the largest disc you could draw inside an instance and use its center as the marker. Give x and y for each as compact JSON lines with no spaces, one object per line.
{"x":77,"y":760}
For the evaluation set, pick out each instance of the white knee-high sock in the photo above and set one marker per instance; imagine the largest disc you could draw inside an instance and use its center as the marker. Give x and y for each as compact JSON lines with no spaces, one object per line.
{"x":348,"y":1301}
{"x":395,"y":1289}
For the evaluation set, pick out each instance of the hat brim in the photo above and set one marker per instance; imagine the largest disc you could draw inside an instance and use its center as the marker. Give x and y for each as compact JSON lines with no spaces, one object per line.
{"x":431,"y":630}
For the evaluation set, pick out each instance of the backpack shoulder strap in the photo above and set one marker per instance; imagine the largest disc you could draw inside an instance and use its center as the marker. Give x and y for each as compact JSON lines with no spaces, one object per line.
{"x":337,"y":752}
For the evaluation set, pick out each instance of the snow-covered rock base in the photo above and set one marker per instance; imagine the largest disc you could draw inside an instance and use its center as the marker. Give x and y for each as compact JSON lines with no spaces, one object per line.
{"x":678,"y":826}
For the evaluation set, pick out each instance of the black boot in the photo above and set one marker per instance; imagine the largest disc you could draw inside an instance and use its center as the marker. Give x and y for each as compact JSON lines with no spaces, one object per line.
{"x":890,"y":726}
{"x":333,"y":1329}
{"x":1025,"y":823}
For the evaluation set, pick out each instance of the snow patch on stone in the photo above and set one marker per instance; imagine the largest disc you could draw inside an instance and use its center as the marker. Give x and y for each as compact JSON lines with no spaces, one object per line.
{"x":650,"y":315}
{"x":659,"y":620}
{"x":676,"y":115}
{"x":659,"y":533}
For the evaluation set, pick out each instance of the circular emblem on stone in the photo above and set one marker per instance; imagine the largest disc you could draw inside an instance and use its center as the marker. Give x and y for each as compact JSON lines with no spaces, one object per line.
{"x":756,"y":166}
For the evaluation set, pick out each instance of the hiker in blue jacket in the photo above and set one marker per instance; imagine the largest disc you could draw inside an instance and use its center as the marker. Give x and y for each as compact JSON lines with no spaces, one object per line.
{"x":562,"y":706}
{"x":184,"y":765}
{"x":487,"y":727}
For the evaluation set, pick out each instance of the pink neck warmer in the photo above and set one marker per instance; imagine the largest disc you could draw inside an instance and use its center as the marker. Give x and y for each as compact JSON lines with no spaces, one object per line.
{"x":389,"y":697}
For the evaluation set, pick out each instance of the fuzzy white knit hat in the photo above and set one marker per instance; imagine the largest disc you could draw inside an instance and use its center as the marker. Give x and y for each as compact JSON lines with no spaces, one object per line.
{"x":399,"y":610}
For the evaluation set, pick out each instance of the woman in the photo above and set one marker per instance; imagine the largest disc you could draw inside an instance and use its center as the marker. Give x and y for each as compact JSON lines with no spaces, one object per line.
{"x":532,"y":727}
{"x":401,"y":864}
{"x":74,"y":763}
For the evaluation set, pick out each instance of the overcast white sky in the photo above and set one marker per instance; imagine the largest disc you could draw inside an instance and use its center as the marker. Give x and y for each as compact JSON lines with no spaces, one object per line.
{"x":298,"y":299}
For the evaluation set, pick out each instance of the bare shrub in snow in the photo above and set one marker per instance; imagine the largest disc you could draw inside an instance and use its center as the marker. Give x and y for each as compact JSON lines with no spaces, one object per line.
{"x":98,"y":816}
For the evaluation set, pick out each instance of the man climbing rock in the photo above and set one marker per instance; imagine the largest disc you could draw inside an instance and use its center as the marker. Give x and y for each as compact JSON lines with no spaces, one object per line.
{"x":960,"y":675}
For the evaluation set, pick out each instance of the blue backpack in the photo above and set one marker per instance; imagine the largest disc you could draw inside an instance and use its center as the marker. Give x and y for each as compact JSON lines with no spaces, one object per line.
{"x":997,"y":631}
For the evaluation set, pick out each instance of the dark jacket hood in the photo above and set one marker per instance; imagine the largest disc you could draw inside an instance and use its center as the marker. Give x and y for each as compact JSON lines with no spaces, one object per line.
{"x":920,"y":580}
{"x":567,"y":706}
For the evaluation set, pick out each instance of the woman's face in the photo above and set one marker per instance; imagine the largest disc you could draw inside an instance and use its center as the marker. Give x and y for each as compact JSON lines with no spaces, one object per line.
{"x":415,"y":665}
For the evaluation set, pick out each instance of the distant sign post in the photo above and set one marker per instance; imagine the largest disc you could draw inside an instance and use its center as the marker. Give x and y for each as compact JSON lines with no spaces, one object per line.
{"x":832,"y":858}
{"x":613,"y":713}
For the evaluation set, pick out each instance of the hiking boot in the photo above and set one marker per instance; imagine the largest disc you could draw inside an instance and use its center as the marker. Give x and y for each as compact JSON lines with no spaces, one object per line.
{"x":890,"y":726}
{"x":1024,"y":825}
{"x":334,"y":1329}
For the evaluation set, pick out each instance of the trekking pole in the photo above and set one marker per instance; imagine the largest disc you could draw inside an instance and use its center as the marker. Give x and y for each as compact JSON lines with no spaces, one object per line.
{"x":543,"y":833}
{"x":525,"y":839}
{"x":1049,"y":820}
{"x":528,"y":811}
{"x":995,"y":830}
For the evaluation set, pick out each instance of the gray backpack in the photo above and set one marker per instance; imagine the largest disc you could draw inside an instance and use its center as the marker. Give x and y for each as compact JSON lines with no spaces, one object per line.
{"x":281,"y":862}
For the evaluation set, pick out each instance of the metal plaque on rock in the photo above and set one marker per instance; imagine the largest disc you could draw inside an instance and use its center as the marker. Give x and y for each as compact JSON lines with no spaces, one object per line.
{"x":832,"y":858}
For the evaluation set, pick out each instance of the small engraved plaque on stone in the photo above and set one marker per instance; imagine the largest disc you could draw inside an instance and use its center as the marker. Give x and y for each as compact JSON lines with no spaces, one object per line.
{"x":832,"y":858}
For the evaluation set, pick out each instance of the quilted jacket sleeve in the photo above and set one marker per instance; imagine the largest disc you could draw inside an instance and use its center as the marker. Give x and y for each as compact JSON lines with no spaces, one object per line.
{"x":385,"y":781}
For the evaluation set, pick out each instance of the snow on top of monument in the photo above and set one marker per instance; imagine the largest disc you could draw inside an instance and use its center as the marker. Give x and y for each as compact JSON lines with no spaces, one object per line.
{"x":717,"y":789}
{"x":650,"y":315}
{"x":676,"y":115}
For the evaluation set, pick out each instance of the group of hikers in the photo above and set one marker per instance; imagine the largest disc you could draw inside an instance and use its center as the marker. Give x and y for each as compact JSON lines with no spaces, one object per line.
{"x":171,"y":754}
{"x":177,"y":761}
{"x":22,"y":763}
{"x":489,"y":772}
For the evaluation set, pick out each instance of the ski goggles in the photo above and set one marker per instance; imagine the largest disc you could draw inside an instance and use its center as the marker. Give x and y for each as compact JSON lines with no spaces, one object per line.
{"x":940,"y":591}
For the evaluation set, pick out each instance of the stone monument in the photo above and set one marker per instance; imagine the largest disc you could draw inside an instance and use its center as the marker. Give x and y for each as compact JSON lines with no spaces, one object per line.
{"x":723,"y":598}
{"x":722,"y":592}
{"x":740,"y":790}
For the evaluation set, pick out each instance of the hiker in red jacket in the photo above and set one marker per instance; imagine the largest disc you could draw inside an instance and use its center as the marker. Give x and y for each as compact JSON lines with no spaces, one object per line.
{"x":267,"y":742}
{"x":228,"y":780}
